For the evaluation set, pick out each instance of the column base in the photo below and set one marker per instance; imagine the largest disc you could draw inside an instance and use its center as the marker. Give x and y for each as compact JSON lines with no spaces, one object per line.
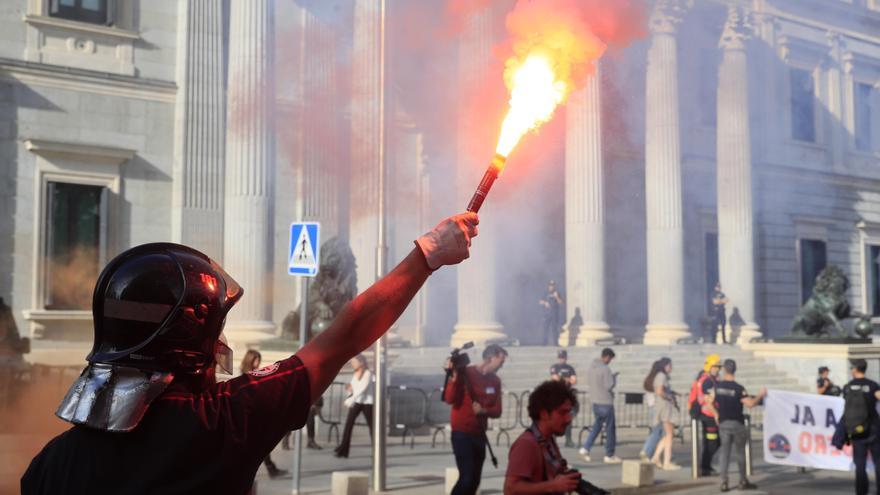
{"x":590,"y":332}
{"x":748,"y":332}
{"x":665,"y":333}
{"x":478,"y":333}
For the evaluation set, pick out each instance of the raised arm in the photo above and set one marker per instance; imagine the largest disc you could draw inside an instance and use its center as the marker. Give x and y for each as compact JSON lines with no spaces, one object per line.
{"x":363,"y":320}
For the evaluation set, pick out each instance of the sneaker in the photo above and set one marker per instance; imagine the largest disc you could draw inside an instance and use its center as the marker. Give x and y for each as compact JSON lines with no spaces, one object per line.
{"x":746,"y":485}
{"x":585,"y":454}
{"x":670,"y":467}
{"x":612,"y":459}
{"x":724,"y":487}
{"x":569,"y":444}
{"x":313,"y":445}
{"x":643,"y":456}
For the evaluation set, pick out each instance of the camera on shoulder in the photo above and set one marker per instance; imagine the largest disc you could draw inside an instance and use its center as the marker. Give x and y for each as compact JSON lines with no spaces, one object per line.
{"x":459,"y":358}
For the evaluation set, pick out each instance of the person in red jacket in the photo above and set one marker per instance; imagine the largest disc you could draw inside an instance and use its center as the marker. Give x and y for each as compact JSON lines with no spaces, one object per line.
{"x":475,"y":395}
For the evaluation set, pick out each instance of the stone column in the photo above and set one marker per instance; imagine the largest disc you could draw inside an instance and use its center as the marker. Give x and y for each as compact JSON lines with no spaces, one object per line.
{"x":665,"y":235}
{"x":736,"y":256}
{"x":838,"y":80}
{"x":585,"y":215}
{"x":199,"y":128}
{"x":476,"y":277}
{"x":366,"y":140}
{"x":250,"y":168}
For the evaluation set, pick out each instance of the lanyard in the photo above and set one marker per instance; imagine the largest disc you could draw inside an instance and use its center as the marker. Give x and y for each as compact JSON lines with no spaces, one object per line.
{"x":552,"y":457}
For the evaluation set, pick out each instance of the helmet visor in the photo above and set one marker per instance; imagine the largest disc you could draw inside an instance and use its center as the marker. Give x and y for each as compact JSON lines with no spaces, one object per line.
{"x":223,"y":355}
{"x":233,"y":290}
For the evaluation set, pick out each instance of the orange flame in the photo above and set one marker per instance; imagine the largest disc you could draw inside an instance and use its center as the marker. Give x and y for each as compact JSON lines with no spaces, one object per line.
{"x":554,"y":46}
{"x":534,"y":94}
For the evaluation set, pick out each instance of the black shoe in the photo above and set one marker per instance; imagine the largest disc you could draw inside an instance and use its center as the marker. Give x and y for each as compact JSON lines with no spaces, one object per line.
{"x":724,"y":487}
{"x":569,"y":444}
{"x":746,"y":485}
{"x":277,"y":473}
{"x":708,"y":472}
{"x":313,"y":445}
{"x":339,"y":455}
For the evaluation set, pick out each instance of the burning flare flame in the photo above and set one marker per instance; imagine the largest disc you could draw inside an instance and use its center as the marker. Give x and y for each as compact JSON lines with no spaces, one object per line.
{"x":535,"y":92}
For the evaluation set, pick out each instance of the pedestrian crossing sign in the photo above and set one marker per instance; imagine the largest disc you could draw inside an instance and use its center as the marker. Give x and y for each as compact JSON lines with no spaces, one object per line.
{"x":303,"y":252}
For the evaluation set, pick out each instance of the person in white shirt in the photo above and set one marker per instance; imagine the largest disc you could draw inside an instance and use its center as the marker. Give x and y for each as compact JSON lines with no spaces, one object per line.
{"x":360,"y":401}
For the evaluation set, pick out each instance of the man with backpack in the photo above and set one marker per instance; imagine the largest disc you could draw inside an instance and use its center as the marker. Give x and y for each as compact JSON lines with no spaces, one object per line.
{"x":702,"y":407}
{"x":861,"y":423}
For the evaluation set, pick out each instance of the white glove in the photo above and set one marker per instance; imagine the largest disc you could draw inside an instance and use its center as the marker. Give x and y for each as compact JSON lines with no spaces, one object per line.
{"x":449,"y":242}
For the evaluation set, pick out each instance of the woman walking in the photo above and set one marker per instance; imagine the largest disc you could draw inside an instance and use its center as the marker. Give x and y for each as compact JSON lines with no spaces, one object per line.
{"x":251,"y":362}
{"x":664,"y":410}
{"x":360,"y":401}
{"x":656,"y":427}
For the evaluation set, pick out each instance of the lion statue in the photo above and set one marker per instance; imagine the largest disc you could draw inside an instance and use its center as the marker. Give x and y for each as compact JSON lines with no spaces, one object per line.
{"x":329,"y":291}
{"x":826,"y":307}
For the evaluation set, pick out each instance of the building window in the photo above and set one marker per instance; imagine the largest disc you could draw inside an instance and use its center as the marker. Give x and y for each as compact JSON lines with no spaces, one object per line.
{"x":803,"y":116}
{"x":76,"y":218}
{"x":862,"y":101}
{"x":712,"y":276}
{"x":813,"y":261}
{"x":874,"y":288}
{"x":93,"y":11}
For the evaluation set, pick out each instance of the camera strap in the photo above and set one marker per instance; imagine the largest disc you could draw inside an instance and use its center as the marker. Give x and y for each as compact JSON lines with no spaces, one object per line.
{"x":552,"y":457}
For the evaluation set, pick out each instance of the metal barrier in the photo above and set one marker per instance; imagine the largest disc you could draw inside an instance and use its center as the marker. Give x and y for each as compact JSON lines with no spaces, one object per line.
{"x":510,"y":417}
{"x":437,"y":417}
{"x":331,"y":413}
{"x":408,"y":410}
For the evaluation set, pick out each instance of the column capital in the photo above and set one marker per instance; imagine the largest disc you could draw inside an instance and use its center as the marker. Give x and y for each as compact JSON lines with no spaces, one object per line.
{"x":737,"y":29}
{"x":667,"y":15}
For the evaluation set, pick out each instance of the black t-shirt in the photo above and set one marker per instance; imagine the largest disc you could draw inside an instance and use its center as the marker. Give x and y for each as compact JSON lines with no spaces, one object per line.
{"x":565,"y":371}
{"x":718,"y":308}
{"x":867,"y":387}
{"x":207,"y":442}
{"x":728,"y":397}
{"x":821,"y":381}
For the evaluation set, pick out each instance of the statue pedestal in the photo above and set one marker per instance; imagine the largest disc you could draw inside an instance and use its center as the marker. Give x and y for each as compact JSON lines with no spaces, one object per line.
{"x":803,"y":357}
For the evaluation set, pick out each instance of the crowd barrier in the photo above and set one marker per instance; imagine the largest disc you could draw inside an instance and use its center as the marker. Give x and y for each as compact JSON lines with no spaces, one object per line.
{"x":414,"y":410}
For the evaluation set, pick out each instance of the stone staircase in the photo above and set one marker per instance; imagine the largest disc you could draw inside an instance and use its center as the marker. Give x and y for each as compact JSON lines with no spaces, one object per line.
{"x":527,"y":366}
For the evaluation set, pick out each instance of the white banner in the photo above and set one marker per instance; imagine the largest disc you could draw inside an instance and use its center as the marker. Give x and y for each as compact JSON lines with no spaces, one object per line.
{"x":798,"y":429}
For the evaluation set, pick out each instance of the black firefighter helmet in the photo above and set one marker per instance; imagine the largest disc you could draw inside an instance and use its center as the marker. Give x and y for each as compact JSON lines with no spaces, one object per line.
{"x":162,"y":307}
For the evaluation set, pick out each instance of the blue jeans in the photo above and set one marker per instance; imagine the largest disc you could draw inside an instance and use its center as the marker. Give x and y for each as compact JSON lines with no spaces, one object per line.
{"x":653,"y":439}
{"x":470,"y":453}
{"x":604,"y":414}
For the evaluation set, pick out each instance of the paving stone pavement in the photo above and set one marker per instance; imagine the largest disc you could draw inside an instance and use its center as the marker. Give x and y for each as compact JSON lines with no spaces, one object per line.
{"x":419,"y":471}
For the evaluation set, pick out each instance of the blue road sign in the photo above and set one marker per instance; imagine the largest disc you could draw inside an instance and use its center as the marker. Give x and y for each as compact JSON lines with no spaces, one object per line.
{"x":304,"y":249}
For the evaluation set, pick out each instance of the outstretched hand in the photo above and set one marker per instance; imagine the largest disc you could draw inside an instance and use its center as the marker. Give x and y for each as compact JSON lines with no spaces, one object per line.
{"x":449,"y":242}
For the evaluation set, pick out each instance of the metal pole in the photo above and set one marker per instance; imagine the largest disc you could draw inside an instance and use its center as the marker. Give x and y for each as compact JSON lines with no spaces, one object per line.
{"x":379,"y":406}
{"x":748,"y":452}
{"x":695,"y":449}
{"x":303,"y":336}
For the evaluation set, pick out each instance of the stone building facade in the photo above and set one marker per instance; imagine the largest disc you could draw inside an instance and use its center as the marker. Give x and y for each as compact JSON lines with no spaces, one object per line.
{"x":737,"y":141}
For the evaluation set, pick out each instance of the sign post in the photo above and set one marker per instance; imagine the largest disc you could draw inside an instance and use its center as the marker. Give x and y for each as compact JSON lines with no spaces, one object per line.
{"x":303,"y":261}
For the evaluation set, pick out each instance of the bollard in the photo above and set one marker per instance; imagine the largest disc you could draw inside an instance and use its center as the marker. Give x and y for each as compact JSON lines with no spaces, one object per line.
{"x":748,"y":452}
{"x":695,"y":449}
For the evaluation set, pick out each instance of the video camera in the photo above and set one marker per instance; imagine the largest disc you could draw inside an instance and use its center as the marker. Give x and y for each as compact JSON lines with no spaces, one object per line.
{"x":460,"y":359}
{"x":584,"y":487}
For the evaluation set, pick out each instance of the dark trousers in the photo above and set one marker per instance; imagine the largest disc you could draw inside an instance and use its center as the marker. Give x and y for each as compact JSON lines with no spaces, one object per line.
{"x":551,"y":330}
{"x":711,"y":442}
{"x":860,"y":458}
{"x":367,"y":410}
{"x":470,"y":453}
{"x":720,"y":324}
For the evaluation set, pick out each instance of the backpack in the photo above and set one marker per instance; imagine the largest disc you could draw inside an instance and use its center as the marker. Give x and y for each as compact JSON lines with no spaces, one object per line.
{"x":856,"y":417}
{"x":694,"y":406}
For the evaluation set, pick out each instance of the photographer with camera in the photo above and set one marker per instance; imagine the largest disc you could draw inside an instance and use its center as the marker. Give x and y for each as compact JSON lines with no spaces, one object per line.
{"x":475,"y":395}
{"x":535,"y":465}
{"x":824,"y":386}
